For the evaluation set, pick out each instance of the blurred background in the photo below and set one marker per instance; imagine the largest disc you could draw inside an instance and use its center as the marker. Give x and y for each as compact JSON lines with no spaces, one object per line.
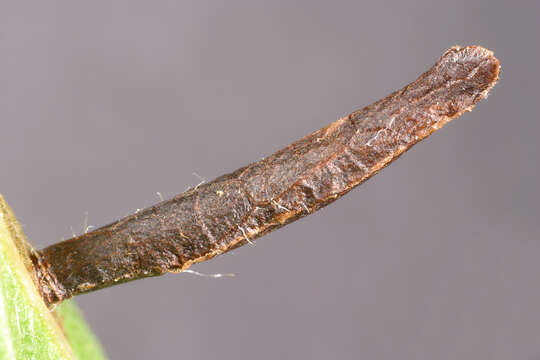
{"x":105,"y":103}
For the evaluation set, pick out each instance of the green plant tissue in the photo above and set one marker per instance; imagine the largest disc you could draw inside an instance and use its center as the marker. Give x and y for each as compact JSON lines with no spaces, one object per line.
{"x":28,"y":329}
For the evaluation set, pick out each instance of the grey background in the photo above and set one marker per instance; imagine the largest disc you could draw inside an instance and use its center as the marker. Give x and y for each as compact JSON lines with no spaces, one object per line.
{"x":104,"y":103}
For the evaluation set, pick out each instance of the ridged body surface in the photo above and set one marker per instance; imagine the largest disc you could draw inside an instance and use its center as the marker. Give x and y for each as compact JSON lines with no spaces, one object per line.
{"x":237,"y":208}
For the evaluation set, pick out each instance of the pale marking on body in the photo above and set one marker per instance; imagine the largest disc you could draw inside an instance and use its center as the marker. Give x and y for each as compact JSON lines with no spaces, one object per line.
{"x":245,"y":235}
{"x":86,"y":286}
{"x":370,"y":142}
{"x":251,"y":231}
{"x":279,"y":206}
{"x":392,"y":119}
{"x":387,"y":127}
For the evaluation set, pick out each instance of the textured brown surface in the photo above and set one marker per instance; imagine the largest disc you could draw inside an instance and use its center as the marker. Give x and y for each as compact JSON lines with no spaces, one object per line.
{"x":236,"y":208}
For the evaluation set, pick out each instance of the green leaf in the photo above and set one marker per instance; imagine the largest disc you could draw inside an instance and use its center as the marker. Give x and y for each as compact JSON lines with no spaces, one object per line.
{"x":28,"y":329}
{"x":83,"y":342}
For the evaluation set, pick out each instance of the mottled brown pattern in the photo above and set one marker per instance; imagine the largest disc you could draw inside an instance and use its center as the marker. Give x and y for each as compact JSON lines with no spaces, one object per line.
{"x":239,"y":207}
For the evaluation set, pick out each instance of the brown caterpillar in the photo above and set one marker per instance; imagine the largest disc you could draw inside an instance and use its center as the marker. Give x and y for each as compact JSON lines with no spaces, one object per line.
{"x":236,"y":208}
